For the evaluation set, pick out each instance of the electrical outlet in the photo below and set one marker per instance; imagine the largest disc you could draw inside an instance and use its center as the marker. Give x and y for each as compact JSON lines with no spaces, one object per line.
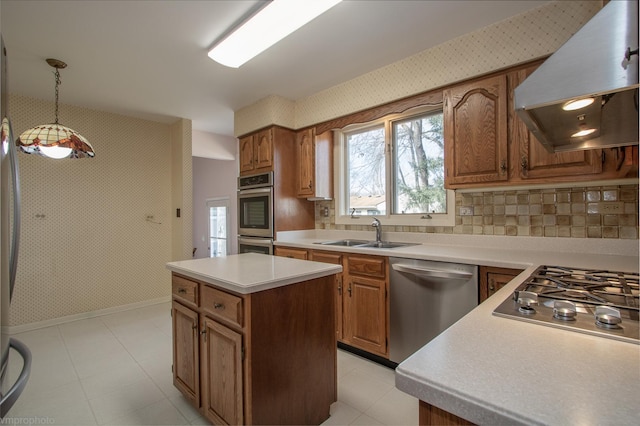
{"x":466,"y":211}
{"x":616,"y":207}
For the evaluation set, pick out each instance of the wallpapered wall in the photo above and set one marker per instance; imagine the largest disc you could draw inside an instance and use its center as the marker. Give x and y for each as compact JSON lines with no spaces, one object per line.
{"x":85,"y":242}
{"x":522,"y":38}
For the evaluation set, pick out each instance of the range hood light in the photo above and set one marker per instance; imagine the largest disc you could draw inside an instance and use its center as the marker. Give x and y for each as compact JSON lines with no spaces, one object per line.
{"x":577,"y":104}
{"x":583,"y":132}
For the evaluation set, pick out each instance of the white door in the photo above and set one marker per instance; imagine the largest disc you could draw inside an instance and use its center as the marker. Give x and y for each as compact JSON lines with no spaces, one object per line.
{"x":219,"y":224}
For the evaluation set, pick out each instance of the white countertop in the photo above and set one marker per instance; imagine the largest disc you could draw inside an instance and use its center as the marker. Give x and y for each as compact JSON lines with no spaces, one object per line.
{"x":493,"y":370}
{"x":251,"y":272}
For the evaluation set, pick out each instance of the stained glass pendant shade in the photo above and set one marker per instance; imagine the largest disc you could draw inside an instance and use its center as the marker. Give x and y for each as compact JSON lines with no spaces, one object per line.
{"x":55,"y":140}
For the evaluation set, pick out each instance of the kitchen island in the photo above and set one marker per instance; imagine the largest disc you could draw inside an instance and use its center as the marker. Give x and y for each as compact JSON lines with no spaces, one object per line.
{"x":493,"y":370}
{"x":253,"y":338}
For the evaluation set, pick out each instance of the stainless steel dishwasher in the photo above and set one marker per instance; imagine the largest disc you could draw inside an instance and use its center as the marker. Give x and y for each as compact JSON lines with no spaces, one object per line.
{"x":425,"y":298}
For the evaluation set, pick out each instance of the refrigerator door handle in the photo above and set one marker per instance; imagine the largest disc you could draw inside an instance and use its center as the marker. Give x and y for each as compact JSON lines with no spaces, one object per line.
{"x":15,"y":189}
{"x":12,"y":395}
{"x":15,"y":238}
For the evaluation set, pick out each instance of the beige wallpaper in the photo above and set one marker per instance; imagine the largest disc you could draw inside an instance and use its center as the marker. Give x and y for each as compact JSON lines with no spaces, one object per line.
{"x":519,"y":39}
{"x":85,"y":242}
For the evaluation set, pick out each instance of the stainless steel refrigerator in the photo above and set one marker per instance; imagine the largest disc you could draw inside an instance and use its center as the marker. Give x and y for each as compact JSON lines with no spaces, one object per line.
{"x":12,"y":349}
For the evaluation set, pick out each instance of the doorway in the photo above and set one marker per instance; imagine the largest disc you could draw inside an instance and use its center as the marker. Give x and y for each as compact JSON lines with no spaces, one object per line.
{"x":219,"y":224}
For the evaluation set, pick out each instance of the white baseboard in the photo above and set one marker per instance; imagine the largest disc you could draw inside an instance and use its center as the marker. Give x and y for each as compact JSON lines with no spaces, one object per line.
{"x":85,"y":315}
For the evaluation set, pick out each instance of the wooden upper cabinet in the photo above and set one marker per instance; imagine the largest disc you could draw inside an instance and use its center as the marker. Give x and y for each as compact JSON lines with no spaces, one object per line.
{"x":256,"y":152}
{"x":314,"y":157}
{"x":305,"y":156}
{"x":263,"y":150}
{"x":246,"y":154}
{"x":475,"y":132}
{"x":532,"y":161}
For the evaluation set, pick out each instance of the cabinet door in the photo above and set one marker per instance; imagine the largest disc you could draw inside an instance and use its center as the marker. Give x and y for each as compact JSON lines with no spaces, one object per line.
{"x":534,"y":161}
{"x":293,"y":253}
{"x":336,"y":259}
{"x":186,"y":357}
{"x":305,"y":156}
{"x":221,"y":373}
{"x":246,"y":154}
{"x":493,"y":279}
{"x":475,"y":132}
{"x":263,"y":151}
{"x":365,"y":314}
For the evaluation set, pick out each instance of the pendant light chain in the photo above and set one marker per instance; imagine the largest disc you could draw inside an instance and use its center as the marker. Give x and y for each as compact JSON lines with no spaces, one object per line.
{"x":57,"y":74}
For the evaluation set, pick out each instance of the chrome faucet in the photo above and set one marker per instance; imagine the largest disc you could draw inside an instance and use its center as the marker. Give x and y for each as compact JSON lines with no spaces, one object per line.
{"x":376,"y":224}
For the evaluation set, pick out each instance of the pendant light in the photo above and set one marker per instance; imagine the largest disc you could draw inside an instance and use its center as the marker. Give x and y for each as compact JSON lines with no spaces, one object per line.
{"x":55,"y":140}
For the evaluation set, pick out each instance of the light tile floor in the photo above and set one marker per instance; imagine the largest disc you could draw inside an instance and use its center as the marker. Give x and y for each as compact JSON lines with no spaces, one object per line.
{"x":116,"y":370}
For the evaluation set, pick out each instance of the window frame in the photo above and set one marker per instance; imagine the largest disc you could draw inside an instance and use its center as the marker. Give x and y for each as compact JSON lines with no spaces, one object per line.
{"x":341,"y":173}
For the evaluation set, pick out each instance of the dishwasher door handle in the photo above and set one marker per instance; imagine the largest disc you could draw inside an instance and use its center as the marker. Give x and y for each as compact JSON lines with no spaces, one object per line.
{"x":430,"y":272}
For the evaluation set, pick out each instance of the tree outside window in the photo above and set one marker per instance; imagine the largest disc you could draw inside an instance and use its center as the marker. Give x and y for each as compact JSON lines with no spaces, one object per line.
{"x":397,"y":164}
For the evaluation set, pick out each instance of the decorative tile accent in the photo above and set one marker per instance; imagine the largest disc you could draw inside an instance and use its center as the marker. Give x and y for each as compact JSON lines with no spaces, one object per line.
{"x":536,"y":213}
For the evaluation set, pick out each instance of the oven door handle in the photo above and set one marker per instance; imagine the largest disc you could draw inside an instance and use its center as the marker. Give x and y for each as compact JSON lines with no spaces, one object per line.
{"x":254,"y":191}
{"x":262,"y":242}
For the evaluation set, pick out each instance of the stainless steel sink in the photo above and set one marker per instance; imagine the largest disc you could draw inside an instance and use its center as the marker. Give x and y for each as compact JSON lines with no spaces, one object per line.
{"x":385,"y":244}
{"x":364,"y":244}
{"x":345,"y":243}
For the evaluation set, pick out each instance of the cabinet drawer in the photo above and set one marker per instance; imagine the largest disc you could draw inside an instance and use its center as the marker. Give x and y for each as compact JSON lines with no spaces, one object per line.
{"x":184,"y":289}
{"x":325,"y":257}
{"x":222,"y":305}
{"x":292,"y":253}
{"x":369,"y":266}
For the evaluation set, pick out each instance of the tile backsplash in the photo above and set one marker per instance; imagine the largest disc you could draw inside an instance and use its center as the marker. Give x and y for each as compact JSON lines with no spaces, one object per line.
{"x":578,"y":212}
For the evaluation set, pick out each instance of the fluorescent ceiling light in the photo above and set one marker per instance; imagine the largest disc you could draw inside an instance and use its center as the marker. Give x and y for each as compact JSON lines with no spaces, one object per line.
{"x":271,"y":24}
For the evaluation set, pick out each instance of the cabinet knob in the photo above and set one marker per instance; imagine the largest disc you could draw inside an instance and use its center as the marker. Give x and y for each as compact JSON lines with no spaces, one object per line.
{"x":503,"y":167}
{"x":524,"y":164}
{"x":182,"y":291}
{"x":218,"y":306}
{"x":310,"y":184}
{"x":339,"y":286}
{"x":349,"y":289}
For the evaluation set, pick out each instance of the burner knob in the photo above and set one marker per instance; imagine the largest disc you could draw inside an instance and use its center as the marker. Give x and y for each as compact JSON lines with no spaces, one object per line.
{"x":527,"y":298}
{"x":607,"y":316}
{"x":564,"y":310}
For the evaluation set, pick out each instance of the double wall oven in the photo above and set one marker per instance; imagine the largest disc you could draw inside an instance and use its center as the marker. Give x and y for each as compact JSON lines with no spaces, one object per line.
{"x":255,"y":213}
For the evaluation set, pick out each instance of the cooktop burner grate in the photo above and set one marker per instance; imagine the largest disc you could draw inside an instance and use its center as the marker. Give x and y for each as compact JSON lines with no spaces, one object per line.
{"x":600,"y":302}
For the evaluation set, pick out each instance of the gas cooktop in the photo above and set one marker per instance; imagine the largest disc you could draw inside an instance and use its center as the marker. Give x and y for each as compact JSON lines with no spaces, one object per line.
{"x":597,"y":302}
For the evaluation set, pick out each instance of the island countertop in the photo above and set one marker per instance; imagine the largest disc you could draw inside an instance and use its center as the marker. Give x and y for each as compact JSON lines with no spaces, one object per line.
{"x":252,"y":272}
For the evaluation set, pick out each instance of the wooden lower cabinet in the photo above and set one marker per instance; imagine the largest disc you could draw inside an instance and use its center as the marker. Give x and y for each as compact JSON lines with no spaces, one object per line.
{"x":362,"y":307}
{"x":186,"y":365}
{"x":262,"y":358}
{"x":432,"y":415}
{"x":335,"y":258}
{"x":493,"y":279}
{"x":222,"y":387}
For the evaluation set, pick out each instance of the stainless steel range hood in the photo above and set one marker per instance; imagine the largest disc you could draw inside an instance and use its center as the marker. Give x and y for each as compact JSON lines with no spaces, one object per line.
{"x":599,"y":62}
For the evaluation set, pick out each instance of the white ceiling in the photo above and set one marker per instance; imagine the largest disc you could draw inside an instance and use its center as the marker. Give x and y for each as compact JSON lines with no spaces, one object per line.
{"x":148,"y":59}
